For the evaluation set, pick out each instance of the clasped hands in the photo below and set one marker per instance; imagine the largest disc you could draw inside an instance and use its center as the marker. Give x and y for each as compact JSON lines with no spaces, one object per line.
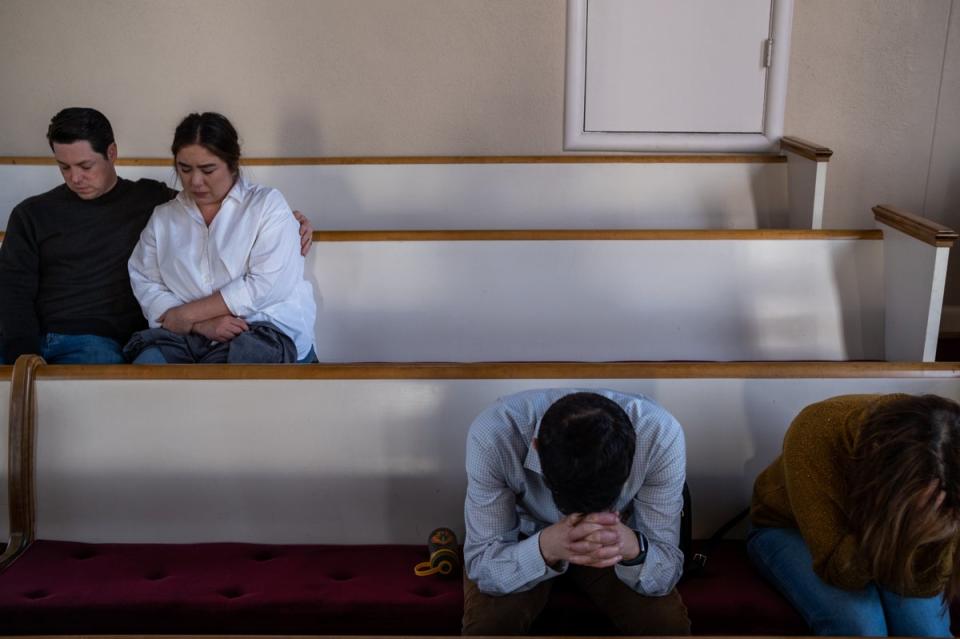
{"x":222,"y":328}
{"x":598,"y":540}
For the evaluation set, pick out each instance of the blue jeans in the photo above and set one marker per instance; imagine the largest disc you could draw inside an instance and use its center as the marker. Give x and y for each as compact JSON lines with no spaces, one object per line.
{"x":782,"y":557}
{"x":59,"y":348}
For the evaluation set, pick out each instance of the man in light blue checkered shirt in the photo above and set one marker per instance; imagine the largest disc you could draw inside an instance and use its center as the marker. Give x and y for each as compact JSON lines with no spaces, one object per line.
{"x":584,"y":484}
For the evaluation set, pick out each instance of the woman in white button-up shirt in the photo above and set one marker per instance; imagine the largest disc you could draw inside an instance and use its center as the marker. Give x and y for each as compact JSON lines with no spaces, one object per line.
{"x":218,"y":271}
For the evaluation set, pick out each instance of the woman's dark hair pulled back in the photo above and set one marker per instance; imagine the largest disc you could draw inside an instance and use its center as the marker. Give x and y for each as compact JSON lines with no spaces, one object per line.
{"x":213,"y":132}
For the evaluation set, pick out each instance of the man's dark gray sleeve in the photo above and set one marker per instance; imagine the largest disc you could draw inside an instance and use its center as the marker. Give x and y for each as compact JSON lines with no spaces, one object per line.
{"x":19,"y":278}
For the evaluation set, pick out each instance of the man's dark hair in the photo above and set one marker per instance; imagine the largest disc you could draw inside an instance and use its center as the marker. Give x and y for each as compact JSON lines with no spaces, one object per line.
{"x":213,"y":132}
{"x":586,"y":444}
{"x":78,"y":124}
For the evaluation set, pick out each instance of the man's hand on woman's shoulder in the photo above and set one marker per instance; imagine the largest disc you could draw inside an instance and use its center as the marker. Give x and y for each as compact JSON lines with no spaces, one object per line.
{"x":306,"y":233}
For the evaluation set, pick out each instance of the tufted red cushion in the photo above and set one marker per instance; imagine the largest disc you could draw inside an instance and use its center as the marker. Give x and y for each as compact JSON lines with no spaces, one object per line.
{"x":64,"y":587}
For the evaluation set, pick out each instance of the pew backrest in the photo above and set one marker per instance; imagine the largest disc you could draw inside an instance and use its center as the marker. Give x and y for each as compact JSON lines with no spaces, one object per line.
{"x":513,"y":192}
{"x":599,"y":296}
{"x":372,"y":454}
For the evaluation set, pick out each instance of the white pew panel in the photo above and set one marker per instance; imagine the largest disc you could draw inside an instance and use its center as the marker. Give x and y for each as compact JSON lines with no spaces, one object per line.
{"x":599,"y":300}
{"x":360,"y":460}
{"x":685,"y":194}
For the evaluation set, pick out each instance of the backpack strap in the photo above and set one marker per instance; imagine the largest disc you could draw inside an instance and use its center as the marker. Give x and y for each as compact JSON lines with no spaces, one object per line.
{"x":695,"y":563}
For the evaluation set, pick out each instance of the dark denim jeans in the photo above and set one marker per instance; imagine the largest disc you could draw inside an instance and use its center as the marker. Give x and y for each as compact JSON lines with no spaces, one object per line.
{"x":59,"y":348}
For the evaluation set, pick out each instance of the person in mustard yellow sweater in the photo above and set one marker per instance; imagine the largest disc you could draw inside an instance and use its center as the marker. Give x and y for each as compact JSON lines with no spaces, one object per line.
{"x":856,"y":522}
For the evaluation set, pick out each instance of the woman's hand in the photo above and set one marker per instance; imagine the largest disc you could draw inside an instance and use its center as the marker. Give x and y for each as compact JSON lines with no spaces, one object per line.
{"x":183,"y":319}
{"x":176,"y":320}
{"x":221,"y":329}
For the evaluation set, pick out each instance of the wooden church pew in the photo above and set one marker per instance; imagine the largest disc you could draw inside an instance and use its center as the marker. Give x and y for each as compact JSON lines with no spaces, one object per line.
{"x":727,"y":295}
{"x":605,"y":295}
{"x":337,"y":473}
{"x":739,"y":191}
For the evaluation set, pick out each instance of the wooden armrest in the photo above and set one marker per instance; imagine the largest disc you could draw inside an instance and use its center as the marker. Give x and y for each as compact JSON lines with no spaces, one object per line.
{"x":22,"y":431}
{"x":928,"y":231}
{"x":805,"y":148}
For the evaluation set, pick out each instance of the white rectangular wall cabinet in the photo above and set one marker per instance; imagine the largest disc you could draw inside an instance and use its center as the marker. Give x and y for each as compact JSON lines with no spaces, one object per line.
{"x":676,"y":75}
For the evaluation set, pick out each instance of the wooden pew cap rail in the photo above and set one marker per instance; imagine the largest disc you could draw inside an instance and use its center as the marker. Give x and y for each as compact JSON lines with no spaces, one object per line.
{"x":724,"y":158}
{"x":549,"y":235}
{"x":507,"y":370}
{"x":921,"y":228}
{"x":805,"y":148}
{"x":473,"y":235}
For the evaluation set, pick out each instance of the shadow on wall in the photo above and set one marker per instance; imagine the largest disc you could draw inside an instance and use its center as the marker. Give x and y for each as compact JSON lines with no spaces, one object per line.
{"x":302,"y":129}
{"x":861,"y":300}
{"x":769,"y":190}
{"x":952,"y":219}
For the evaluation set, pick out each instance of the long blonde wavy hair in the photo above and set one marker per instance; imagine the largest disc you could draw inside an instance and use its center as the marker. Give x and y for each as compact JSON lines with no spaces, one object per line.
{"x":904,"y":492}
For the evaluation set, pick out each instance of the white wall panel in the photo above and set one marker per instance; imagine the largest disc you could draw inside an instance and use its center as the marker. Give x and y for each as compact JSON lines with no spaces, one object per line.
{"x":335,"y":461}
{"x":497,"y":196}
{"x":599,"y":300}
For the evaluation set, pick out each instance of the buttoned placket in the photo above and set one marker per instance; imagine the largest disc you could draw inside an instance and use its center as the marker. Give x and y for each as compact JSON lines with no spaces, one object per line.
{"x":206,"y":271}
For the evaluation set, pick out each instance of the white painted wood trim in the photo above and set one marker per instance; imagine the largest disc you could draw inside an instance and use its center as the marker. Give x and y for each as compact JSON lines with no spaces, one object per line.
{"x":806,"y":188}
{"x":932,"y":332}
{"x":914,"y":279}
{"x":577,"y":139}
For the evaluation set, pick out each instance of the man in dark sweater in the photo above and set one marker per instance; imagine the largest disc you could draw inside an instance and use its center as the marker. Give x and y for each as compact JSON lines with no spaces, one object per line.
{"x":64,"y":288}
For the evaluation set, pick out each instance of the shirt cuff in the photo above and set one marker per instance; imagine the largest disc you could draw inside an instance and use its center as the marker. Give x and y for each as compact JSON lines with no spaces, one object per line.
{"x":237,"y":298}
{"x":530,"y":555}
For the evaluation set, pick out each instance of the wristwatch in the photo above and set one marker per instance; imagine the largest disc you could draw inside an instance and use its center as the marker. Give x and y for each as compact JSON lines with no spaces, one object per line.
{"x":642,"y":555}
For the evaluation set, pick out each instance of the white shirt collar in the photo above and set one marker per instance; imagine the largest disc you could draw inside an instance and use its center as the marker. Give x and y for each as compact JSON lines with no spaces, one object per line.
{"x":532,"y":460}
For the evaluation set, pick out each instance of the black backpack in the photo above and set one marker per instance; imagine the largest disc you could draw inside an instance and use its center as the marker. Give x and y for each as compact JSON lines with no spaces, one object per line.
{"x":694,"y":563}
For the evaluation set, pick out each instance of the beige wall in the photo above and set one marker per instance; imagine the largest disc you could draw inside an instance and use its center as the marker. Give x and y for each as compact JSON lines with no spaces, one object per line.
{"x":876,"y":80}
{"x":297,"y":77}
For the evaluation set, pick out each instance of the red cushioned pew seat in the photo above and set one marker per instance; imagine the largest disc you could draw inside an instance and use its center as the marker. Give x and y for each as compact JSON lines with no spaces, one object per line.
{"x":63,"y":587}
{"x":60,"y":587}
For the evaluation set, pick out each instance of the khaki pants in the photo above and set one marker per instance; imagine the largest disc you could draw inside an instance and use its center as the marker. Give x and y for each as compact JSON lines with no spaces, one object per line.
{"x":630,"y":612}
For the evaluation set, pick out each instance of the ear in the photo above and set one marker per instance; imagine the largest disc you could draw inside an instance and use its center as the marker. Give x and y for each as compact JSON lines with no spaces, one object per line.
{"x":112,"y":152}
